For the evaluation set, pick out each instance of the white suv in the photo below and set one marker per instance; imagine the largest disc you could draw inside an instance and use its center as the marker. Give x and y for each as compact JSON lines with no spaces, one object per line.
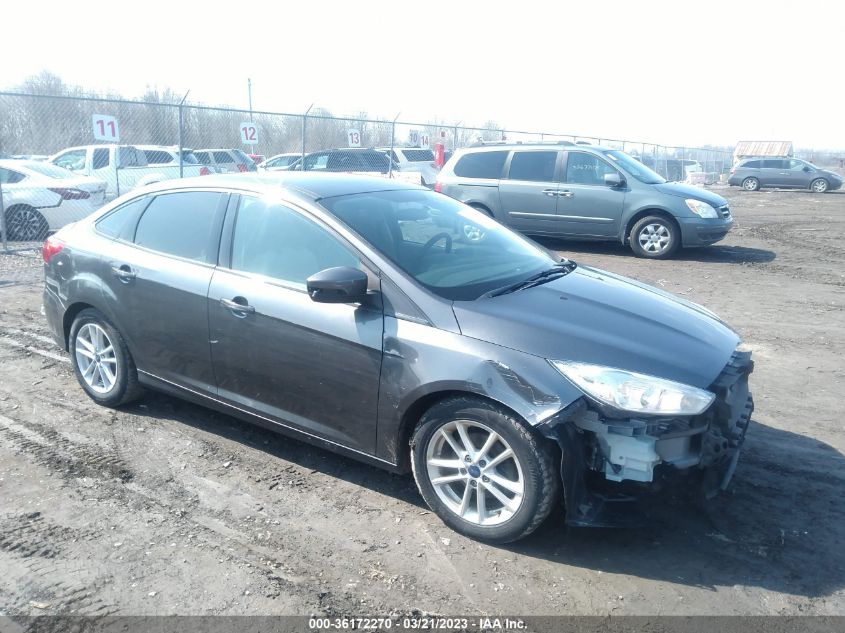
{"x":225,"y":160}
{"x":419,"y":159}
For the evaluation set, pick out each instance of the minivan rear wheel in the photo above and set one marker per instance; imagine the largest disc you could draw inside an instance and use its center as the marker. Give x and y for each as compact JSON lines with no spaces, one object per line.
{"x":819,"y":185}
{"x":655,"y":237}
{"x":751,"y":184}
{"x":101,"y":361}
{"x":484,"y":472}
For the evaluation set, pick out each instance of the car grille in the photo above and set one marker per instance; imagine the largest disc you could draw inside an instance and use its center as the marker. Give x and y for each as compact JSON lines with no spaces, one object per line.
{"x":725,"y":211}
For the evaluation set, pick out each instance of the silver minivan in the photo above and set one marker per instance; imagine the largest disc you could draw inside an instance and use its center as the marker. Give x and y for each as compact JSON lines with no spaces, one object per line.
{"x":585,"y":192}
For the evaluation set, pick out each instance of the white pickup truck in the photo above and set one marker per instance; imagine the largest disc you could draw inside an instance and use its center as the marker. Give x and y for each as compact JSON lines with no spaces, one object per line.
{"x":122,"y":167}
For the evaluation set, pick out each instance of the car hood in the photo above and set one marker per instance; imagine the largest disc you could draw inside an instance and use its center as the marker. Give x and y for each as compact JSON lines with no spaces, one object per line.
{"x":688,"y":191}
{"x":594,"y":316}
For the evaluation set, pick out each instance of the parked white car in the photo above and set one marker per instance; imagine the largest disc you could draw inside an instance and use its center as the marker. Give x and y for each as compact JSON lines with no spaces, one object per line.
{"x":279,"y":162}
{"x":169,"y":155}
{"x":122,"y":167}
{"x":39,"y":197}
{"x":226,"y":160}
{"x":419,"y":159}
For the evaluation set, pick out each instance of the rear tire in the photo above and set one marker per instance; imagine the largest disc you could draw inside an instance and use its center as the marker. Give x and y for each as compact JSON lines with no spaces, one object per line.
{"x":101,"y":361}
{"x":751,"y":184}
{"x":465,"y":447}
{"x":819,"y":185}
{"x":655,"y":237}
{"x":26,"y":224}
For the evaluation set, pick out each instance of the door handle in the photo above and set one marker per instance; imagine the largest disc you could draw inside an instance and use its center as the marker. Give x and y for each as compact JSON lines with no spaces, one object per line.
{"x":124,"y":273}
{"x":238,"y":308}
{"x":551,"y":192}
{"x":566,"y":194}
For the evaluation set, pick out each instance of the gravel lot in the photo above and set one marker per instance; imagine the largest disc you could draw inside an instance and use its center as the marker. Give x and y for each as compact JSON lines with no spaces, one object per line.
{"x":165,"y":507}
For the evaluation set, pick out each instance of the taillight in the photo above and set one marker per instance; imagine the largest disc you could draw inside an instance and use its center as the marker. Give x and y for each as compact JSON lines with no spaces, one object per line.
{"x":69,"y":193}
{"x":52,"y":246}
{"x":438,"y":187}
{"x":204,"y":171}
{"x":242,"y":167}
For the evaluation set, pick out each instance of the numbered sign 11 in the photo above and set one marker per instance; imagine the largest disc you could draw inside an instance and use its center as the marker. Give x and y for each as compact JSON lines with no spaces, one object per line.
{"x":105,"y":128}
{"x":249,"y":133}
{"x":353,"y":137}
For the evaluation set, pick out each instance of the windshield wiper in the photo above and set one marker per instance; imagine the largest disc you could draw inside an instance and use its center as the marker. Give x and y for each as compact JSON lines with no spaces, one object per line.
{"x":559,"y":270}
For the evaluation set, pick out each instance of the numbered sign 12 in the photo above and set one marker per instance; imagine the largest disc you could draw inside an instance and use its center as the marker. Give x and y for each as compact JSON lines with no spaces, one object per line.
{"x":105,"y":128}
{"x":249,"y":133}
{"x":353,"y":137}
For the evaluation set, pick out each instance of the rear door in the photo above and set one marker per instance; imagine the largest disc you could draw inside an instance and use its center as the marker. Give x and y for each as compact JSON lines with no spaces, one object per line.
{"x":586,"y":206}
{"x":157,"y":276}
{"x":529,"y":190}
{"x":311,"y":366}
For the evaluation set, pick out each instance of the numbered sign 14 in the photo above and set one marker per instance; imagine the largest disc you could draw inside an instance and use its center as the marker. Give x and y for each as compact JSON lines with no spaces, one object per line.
{"x":105,"y":128}
{"x":425,"y":139}
{"x":353,"y":137}
{"x":249,"y":133}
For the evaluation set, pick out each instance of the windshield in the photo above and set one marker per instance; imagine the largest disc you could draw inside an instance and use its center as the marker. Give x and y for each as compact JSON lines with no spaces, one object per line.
{"x":53,"y":171}
{"x":635,"y":168}
{"x":453,"y":250}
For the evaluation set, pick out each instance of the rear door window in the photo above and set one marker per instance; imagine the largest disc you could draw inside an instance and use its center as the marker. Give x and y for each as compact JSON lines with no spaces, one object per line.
{"x":157,"y":157}
{"x":751,"y":164}
{"x":772,"y":163}
{"x":203,"y":157}
{"x":418,"y":155}
{"x":73,"y":160}
{"x":184,"y":224}
{"x":534,"y":166}
{"x":100,"y":159}
{"x":10,"y":176}
{"x":481,"y":165}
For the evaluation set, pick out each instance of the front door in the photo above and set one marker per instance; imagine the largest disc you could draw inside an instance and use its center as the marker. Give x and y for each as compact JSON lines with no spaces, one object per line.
{"x":312,"y":366}
{"x":586,"y":206}
{"x":528,"y":192}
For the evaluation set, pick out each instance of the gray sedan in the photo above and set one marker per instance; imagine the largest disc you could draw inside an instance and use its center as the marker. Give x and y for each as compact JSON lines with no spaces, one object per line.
{"x":401,"y":327}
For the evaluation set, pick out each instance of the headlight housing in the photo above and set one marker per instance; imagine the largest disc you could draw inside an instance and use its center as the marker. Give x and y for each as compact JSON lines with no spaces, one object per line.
{"x":637,"y":393}
{"x":701,"y":209}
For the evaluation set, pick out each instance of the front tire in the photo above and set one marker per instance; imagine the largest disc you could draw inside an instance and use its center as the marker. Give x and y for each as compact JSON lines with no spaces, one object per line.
{"x":655,"y":237}
{"x":819,"y":185}
{"x":101,"y":361}
{"x":484,"y":472}
{"x":751,"y":184}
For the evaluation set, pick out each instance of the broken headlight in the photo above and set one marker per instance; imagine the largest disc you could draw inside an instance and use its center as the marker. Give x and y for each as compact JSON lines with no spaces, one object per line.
{"x":635,"y":392}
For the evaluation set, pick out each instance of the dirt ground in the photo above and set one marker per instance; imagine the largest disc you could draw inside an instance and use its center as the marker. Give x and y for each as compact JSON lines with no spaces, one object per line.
{"x":168,"y":508}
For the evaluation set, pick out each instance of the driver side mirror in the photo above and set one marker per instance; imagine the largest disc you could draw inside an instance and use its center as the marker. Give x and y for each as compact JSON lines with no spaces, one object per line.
{"x":341,"y":284}
{"x":614,"y":180}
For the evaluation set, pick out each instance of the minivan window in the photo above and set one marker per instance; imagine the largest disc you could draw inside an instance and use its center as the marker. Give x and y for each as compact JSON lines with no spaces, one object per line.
{"x":586,"y":169}
{"x":448,"y":247}
{"x":535,"y":166}
{"x":277,"y":242}
{"x":181,"y":224}
{"x":773,"y":163}
{"x":223,"y":157}
{"x":481,"y":165}
{"x":636,"y":168}
{"x":417,"y":155}
{"x":751,"y":164}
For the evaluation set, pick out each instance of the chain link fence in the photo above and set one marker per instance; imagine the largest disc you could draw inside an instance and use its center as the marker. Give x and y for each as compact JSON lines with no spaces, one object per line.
{"x":62,"y":157}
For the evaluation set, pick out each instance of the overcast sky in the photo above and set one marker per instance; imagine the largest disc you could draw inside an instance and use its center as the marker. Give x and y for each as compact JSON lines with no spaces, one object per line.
{"x":667,"y":72}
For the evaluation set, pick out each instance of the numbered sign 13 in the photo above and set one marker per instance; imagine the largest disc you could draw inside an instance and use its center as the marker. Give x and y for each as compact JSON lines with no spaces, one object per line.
{"x":249,"y":133}
{"x":353,"y":137}
{"x":106,"y":128}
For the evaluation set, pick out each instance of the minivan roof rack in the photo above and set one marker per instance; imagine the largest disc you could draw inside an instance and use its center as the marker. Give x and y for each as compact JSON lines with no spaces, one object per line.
{"x":483,"y":143}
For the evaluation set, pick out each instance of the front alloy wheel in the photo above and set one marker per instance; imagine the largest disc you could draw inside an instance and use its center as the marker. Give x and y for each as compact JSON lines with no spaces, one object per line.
{"x":486,"y":473}
{"x":819,"y":185}
{"x":475,"y":472}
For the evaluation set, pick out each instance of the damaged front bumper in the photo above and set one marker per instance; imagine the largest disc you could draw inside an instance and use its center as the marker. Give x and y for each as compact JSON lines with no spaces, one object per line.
{"x":609,"y":464}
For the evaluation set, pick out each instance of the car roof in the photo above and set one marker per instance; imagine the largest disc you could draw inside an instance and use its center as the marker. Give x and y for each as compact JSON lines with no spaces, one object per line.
{"x":311,"y":185}
{"x":506,"y":147}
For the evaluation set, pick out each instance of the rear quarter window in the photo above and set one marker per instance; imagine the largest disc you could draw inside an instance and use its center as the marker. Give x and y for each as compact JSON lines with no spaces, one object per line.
{"x":751,"y":164}
{"x":113,"y":224}
{"x":481,"y":165}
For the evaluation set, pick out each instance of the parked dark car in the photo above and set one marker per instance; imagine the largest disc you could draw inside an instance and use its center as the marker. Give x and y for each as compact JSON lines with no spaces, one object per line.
{"x":346,"y":160}
{"x":401,"y":327}
{"x":786,"y":173}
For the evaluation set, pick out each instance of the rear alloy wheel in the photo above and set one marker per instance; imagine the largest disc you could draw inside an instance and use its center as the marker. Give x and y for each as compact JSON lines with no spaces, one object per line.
{"x":486,"y":474}
{"x":819,"y":185}
{"x":655,"y":237}
{"x":25,"y":224}
{"x":751,"y":184}
{"x":101,"y":361}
